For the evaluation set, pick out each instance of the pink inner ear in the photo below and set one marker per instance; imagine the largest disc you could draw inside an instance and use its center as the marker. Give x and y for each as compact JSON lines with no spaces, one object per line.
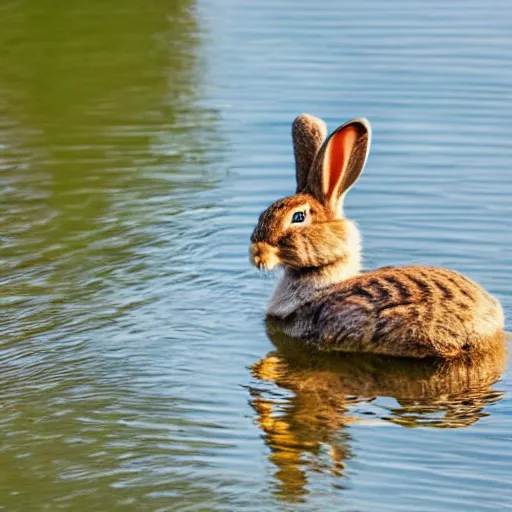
{"x":339,"y":150}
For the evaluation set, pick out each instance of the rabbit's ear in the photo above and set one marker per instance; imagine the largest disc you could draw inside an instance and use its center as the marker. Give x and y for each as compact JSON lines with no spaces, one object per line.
{"x":308,"y":133}
{"x":339,"y":162}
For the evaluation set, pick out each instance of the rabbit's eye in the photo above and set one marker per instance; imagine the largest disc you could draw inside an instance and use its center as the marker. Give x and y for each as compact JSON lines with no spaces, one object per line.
{"x":298,"y":217}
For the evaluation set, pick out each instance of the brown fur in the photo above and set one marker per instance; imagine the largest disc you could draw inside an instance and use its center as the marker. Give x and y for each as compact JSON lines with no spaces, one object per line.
{"x":308,"y":134}
{"x":324,"y":300}
{"x":401,"y":311}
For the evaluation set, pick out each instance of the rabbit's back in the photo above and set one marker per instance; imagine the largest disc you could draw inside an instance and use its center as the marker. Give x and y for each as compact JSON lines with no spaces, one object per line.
{"x":402,"y":311}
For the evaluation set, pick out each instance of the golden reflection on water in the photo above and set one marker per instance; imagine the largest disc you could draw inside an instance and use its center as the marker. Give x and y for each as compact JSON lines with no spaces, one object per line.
{"x":305,"y":420}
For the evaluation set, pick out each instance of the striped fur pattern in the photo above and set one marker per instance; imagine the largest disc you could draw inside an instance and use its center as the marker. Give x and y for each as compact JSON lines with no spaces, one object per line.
{"x":325,"y":300}
{"x":401,"y":311}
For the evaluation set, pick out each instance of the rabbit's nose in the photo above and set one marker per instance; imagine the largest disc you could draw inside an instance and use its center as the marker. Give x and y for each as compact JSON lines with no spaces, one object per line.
{"x":263,"y":255}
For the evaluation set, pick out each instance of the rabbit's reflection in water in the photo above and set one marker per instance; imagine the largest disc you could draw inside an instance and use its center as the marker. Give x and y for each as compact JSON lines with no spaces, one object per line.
{"x":304,"y":402}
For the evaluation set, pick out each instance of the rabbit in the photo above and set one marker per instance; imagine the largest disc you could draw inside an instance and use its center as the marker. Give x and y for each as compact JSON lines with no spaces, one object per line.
{"x":324,"y":298}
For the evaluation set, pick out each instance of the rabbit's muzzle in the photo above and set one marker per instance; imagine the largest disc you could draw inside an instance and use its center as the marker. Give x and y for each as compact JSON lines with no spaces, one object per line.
{"x":263,"y":256}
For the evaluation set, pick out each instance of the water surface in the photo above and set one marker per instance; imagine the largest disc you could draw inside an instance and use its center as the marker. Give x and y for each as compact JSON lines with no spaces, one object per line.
{"x":138,"y":145}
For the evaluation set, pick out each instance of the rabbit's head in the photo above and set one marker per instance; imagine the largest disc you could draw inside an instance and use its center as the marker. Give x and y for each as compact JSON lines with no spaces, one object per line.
{"x":307,"y":230}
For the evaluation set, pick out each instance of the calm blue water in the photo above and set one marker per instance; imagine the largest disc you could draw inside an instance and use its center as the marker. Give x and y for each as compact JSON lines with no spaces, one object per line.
{"x":137,"y":147}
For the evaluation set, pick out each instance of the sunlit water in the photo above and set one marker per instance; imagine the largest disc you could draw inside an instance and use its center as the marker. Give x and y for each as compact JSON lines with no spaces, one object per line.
{"x":138,"y":143}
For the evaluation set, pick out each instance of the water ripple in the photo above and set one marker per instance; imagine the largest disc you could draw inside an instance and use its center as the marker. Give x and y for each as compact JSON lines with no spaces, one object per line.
{"x":138,"y":148}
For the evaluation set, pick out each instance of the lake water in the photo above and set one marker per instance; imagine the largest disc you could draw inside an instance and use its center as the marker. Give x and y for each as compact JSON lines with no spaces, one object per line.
{"x":138,"y":143}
